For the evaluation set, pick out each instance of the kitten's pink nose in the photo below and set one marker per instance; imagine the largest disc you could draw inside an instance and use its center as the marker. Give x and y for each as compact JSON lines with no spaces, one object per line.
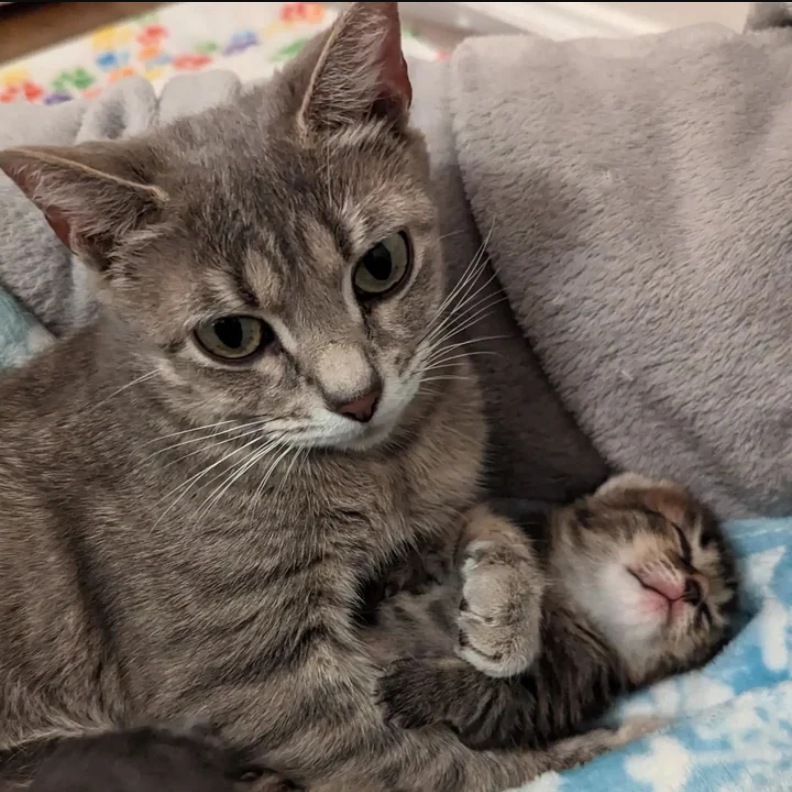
{"x":361,"y":409}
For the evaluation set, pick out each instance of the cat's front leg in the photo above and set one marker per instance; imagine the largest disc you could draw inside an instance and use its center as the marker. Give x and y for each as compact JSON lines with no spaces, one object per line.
{"x":502,"y":587}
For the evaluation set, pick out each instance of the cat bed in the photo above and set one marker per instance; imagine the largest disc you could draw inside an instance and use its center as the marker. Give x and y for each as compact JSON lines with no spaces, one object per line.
{"x":732,"y":725}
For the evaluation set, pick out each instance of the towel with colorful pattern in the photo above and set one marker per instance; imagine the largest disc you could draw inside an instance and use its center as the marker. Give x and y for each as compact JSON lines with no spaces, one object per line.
{"x":250,"y":39}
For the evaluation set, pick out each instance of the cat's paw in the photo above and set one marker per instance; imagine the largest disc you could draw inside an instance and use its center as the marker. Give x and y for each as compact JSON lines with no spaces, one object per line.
{"x":500,"y":611}
{"x":411,"y":693}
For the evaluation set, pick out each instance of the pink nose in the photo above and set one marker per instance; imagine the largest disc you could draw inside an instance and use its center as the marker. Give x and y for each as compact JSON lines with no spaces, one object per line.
{"x":361,"y":409}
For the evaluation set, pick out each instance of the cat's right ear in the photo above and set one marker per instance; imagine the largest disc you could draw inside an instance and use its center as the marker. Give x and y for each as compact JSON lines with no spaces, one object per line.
{"x":355,"y":72}
{"x":93,"y":195}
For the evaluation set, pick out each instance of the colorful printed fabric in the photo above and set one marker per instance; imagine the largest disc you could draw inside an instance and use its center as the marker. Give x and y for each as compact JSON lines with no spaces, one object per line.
{"x":250,"y":39}
{"x":732,"y":721}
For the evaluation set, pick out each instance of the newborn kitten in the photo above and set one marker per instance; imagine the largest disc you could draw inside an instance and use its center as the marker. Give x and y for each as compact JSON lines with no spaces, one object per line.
{"x":196,"y":487}
{"x":638,"y":584}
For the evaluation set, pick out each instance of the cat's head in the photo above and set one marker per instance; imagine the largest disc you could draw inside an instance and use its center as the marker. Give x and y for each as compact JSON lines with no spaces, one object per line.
{"x":649,"y":566}
{"x":276,"y":259}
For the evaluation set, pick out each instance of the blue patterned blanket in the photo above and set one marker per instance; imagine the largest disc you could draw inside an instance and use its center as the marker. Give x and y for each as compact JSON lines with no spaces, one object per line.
{"x":732,"y":728}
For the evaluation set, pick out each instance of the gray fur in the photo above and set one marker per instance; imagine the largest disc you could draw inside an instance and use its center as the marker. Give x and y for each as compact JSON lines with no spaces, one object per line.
{"x":147,"y":575}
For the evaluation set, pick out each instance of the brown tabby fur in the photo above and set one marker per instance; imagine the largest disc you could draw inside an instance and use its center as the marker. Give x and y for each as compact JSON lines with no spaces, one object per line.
{"x":594,"y":640}
{"x":184,"y":540}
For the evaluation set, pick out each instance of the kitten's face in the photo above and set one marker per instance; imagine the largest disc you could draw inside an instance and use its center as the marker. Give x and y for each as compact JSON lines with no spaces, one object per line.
{"x":649,"y":566}
{"x":275,"y":262}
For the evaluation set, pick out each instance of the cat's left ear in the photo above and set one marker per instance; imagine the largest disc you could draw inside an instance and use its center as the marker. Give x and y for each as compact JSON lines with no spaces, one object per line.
{"x":93,"y":195}
{"x":359,"y":72}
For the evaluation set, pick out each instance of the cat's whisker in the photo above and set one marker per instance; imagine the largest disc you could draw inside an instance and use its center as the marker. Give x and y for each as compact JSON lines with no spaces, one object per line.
{"x":186,"y":431}
{"x":470,"y":275}
{"x":438,"y":352}
{"x":466,"y":323}
{"x":274,"y":465}
{"x":460,"y":292}
{"x":459,"y":312}
{"x":260,"y":490}
{"x":211,"y":446}
{"x":427,"y":362}
{"x":237,"y":471}
{"x":135,"y":381}
{"x":462,"y":288}
{"x":239,"y":427}
{"x":436,"y":346}
{"x":450,"y":234}
{"x":443,"y":377}
{"x":461,"y":315}
{"x":450,"y":361}
{"x":186,"y":486}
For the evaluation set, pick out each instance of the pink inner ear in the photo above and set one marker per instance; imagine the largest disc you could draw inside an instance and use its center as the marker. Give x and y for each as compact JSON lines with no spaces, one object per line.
{"x":59,"y":224}
{"x":394,"y":78}
{"x":27,"y":183}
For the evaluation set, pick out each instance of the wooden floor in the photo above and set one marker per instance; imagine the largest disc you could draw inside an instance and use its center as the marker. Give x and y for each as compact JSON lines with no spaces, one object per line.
{"x":27,"y":27}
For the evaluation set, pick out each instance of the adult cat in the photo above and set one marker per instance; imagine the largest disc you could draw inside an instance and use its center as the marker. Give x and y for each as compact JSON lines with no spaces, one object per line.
{"x":197,"y":487}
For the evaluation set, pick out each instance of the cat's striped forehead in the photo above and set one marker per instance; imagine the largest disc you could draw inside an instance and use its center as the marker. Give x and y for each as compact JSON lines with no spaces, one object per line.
{"x":261,"y":227}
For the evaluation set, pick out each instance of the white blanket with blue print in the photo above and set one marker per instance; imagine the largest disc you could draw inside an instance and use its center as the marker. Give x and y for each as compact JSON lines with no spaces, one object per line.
{"x":732,"y":721}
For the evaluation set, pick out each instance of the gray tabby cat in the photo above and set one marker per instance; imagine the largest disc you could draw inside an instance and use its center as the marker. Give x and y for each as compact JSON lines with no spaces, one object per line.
{"x":197,"y":488}
{"x":638,"y":584}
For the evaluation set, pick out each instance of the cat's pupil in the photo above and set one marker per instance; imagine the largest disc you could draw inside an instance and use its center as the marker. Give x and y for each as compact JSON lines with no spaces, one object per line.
{"x":230,"y":333}
{"x":379,"y":263}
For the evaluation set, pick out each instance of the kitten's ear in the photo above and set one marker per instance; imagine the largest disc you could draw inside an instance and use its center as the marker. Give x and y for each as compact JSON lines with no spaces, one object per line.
{"x":92,"y":195}
{"x":359,"y":73}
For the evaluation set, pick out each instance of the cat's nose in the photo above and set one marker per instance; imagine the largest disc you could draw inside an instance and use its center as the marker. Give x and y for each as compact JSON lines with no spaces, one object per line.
{"x":361,"y":409}
{"x":696,"y":589}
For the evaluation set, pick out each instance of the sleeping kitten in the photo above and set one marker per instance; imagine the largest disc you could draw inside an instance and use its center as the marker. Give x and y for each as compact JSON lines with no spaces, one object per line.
{"x":197,"y":487}
{"x":638,"y":585}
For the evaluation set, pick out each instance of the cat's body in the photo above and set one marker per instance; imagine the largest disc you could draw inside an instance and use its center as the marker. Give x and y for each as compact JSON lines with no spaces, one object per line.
{"x":149,"y":608}
{"x":197,"y":489}
{"x":637,"y":584}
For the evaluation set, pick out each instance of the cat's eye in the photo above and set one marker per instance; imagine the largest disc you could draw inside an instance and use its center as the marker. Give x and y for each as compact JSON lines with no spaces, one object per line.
{"x":234,"y":338}
{"x":383,"y":267}
{"x":684,"y":545}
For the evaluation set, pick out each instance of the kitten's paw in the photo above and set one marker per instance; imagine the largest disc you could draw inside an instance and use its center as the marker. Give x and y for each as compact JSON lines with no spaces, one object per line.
{"x":500,"y":611}
{"x":409,"y":693}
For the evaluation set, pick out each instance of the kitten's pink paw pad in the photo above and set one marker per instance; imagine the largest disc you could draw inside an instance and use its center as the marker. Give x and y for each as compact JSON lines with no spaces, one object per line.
{"x":500,"y":609}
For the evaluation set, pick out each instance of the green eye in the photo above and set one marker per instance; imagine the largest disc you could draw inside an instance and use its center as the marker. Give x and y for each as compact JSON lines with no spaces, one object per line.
{"x":234,"y":337}
{"x":383,"y":267}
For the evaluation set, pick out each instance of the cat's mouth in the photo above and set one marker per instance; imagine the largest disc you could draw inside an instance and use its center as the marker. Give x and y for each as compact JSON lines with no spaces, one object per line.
{"x":669,"y":596}
{"x":335,"y":432}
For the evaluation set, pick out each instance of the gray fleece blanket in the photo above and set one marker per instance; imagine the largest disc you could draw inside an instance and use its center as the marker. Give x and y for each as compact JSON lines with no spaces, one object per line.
{"x":634,"y":197}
